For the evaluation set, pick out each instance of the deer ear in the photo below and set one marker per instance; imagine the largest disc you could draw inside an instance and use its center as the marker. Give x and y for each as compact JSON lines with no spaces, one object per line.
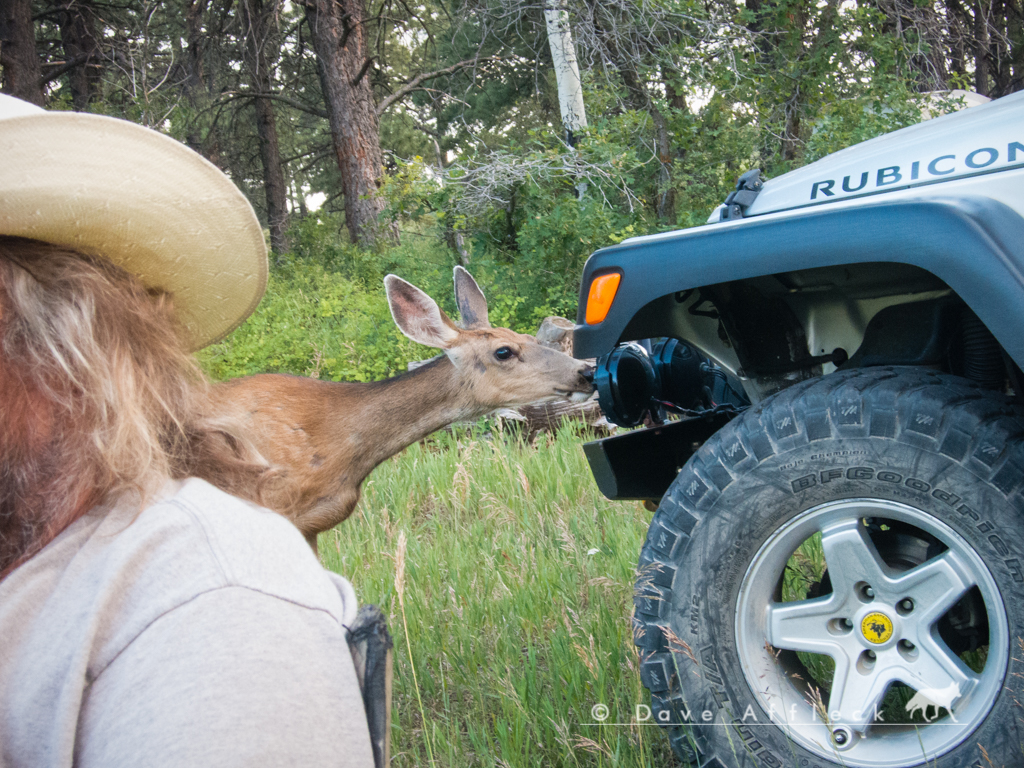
{"x":418,"y":316}
{"x":471,"y":301}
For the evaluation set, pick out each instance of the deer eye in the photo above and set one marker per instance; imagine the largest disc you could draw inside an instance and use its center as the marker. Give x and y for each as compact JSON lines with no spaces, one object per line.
{"x":503,"y":353}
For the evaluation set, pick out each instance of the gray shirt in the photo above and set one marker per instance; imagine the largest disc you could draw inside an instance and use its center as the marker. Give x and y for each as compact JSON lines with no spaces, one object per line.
{"x":199,"y":632}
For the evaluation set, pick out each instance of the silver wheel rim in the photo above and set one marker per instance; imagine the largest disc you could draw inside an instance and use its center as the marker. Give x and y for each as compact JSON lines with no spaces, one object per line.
{"x":843,"y":730}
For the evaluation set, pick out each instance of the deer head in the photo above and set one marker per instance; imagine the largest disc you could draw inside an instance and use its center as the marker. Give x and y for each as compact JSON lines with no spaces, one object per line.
{"x":498,"y":366}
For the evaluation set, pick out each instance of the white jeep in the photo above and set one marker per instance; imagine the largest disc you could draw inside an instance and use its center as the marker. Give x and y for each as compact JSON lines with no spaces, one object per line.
{"x":835,"y":571}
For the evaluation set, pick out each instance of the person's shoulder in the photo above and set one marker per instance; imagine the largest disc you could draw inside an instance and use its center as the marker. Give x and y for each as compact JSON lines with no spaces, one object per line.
{"x":115,"y":573}
{"x":238,"y":544}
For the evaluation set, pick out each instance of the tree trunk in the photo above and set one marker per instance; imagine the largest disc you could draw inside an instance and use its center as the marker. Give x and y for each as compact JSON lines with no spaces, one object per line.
{"x":77,"y":20}
{"x":22,"y":75}
{"x":676,"y":99}
{"x":935,"y":32}
{"x":194,"y":12}
{"x":258,"y":17}
{"x":339,"y":38}
{"x":791,"y":142}
{"x":193,"y":80}
{"x":958,"y":22}
{"x":677,"y":102}
{"x":273,"y":176}
{"x":981,"y":47}
{"x":1015,"y":31}
{"x":666,"y":192}
{"x":567,"y":71}
{"x":638,"y":98}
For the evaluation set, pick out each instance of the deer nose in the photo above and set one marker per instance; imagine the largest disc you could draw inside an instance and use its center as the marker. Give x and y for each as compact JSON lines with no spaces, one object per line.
{"x":588,"y":374}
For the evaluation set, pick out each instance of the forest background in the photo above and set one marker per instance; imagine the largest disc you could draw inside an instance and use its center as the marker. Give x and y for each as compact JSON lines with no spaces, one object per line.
{"x":377,"y":136}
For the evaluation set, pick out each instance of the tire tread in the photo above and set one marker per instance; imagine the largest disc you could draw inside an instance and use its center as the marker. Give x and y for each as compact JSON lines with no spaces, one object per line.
{"x":922,"y":408}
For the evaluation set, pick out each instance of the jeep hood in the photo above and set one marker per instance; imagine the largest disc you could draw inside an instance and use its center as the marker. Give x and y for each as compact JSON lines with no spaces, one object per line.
{"x":974,"y":141}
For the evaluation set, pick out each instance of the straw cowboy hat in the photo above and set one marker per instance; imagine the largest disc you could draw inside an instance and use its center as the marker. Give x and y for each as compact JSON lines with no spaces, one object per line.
{"x":144,"y":201}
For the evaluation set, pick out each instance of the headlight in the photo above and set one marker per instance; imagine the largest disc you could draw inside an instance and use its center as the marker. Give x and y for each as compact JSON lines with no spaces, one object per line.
{"x":626,"y":384}
{"x":674,"y":376}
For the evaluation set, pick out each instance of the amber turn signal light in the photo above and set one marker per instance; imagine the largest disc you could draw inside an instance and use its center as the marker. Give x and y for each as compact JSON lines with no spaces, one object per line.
{"x":602,"y":294}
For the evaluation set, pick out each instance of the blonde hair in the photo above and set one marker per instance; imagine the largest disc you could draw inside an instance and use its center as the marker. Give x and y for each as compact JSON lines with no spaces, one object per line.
{"x":97,"y":379}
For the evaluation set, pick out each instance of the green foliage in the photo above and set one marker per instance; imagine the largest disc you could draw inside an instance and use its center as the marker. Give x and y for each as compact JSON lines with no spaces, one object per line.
{"x":315,"y":240}
{"x":849,"y":122}
{"x":526,"y":228}
{"x":315,"y":322}
{"x":719,"y":144}
{"x":682,"y":98}
{"x":325,"y":312}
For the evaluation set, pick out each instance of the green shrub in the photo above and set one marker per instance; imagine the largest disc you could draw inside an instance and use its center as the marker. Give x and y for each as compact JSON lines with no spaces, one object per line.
{"x":525,"y":229}
{"x":315,"y":322}
{"x":845,"y":123}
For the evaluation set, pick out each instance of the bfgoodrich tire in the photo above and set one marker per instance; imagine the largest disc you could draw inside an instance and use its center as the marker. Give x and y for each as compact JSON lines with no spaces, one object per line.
{"x":837,"y":578}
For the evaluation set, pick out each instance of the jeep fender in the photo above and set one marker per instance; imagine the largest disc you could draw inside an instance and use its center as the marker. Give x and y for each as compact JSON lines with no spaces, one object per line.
{"x":974,"y":244}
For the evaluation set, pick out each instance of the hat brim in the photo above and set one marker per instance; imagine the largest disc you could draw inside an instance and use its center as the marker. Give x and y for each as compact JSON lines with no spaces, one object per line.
{"x":111,"y":188}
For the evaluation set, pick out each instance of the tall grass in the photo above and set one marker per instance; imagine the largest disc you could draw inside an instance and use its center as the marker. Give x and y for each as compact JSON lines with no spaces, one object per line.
{"x":517,"y":596}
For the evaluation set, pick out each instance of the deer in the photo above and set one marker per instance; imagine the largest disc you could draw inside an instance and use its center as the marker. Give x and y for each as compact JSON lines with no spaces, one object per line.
{"x":328,"y":436}
{"x":940,"y":698}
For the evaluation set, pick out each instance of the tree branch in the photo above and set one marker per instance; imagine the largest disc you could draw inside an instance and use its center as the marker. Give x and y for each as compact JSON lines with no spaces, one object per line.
{"x":414,"y":84}
{"x":423,"y":25}
{"x":67,"y":66}
{"x":362,"y":72}
{"x":293,"y":103}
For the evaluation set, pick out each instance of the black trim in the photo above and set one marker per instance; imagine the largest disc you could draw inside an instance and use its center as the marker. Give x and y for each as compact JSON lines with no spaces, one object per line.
{"x":643,"y":464}
{"x":747,"y":189}
{"x":974,"y":244}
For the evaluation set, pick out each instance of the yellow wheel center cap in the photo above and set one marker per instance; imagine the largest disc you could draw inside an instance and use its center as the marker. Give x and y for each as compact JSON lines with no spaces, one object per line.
{"x":876,"y":628}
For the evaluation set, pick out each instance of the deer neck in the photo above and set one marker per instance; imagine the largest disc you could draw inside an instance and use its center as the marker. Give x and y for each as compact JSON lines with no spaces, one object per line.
{"x":386,"y":416}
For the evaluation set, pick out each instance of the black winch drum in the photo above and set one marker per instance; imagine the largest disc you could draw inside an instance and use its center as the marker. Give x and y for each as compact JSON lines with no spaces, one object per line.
{"x":626,"y":384}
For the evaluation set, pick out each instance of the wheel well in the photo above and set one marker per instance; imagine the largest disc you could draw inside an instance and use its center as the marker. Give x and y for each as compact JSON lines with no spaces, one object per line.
{"x":776,"y":330}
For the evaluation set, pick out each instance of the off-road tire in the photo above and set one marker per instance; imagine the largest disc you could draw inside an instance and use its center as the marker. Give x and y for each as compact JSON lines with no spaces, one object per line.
{"x":959,"y":453}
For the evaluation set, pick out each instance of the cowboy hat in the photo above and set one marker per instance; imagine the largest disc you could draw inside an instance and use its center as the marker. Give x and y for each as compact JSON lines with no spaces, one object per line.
{"x":142,"y":200}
